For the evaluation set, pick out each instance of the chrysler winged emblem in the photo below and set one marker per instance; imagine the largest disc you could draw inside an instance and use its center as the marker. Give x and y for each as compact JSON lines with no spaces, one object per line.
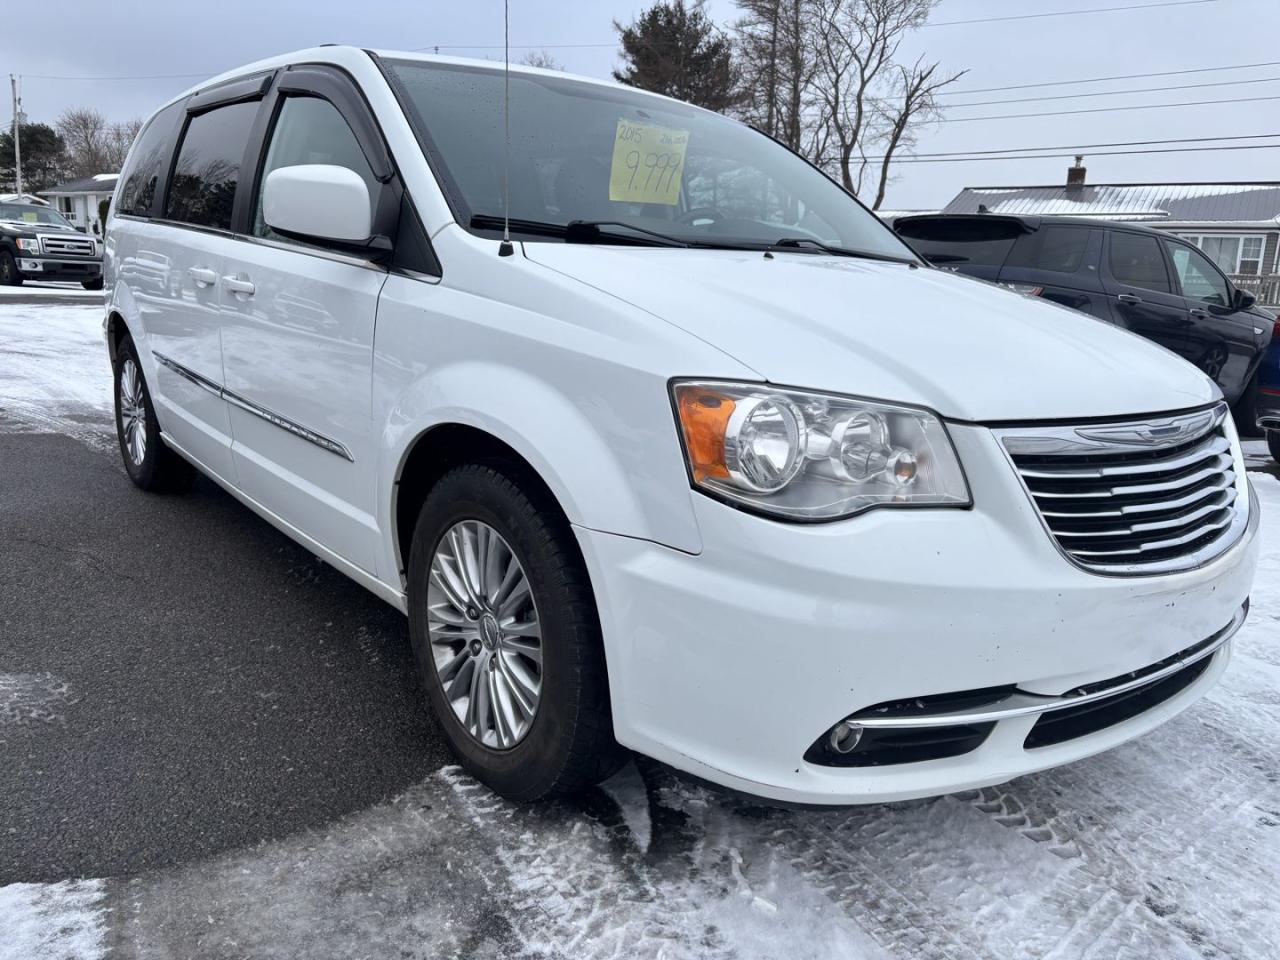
{"x":1165,"y":431}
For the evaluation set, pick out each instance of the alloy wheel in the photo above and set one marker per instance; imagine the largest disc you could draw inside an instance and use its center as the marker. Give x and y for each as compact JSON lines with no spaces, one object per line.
{"x":133,"y":412}
{"x":486,"y":641}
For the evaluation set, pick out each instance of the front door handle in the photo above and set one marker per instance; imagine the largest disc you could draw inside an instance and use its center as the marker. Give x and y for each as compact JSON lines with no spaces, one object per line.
{"x":1196,"y":312}
{"x":1129,"y":298}
{"x":238,"y":285}
{"x":203,"y":276}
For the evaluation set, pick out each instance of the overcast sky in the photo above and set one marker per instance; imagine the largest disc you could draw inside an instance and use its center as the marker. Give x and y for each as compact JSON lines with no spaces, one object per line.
{"x":127,"y":38}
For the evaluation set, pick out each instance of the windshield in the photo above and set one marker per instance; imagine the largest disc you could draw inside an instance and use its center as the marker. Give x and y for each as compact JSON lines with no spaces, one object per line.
{"x":29,"y":213}
{"x":585,"y":151}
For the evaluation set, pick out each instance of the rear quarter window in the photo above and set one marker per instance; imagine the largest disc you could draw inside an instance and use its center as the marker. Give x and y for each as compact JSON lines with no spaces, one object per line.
{"x":967,"y":241}
{"x":148,"y":163}
{"x":1058,"y":249}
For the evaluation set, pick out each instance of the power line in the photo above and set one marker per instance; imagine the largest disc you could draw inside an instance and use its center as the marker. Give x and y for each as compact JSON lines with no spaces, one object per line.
{"x":1118,"y":93}
{"x":1070,"y":13}
{"x":1067,"y":156}
{"x":1123,"y":76}
{"x":940,"y":23}
{"x":1140,"y":106}
{"x":1080,"y":147}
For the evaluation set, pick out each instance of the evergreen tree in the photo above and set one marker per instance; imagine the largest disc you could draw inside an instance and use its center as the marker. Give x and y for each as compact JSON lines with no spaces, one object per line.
{"x":677,"y":50}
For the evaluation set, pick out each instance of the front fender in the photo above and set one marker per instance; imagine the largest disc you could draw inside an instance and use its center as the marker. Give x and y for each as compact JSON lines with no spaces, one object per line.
{"x":603,"y":467}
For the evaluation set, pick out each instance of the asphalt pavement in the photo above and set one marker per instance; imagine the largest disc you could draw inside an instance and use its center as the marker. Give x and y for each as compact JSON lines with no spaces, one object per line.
{"x":197,"y":682}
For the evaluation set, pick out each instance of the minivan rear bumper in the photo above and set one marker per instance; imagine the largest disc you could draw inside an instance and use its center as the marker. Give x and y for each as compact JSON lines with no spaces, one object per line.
{"x":735,"y":664}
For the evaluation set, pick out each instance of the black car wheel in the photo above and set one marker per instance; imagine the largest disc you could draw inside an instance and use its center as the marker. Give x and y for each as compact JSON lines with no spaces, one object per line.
{"x":95,"y":284}
{"x":506,"y":634}
{"x":9,"y":275}
{"x":1273,"y":444}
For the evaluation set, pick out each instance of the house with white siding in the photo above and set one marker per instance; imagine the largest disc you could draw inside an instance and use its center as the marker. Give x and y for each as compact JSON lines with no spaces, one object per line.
{"x":79,"y":200}
{"x":1235,"y":224}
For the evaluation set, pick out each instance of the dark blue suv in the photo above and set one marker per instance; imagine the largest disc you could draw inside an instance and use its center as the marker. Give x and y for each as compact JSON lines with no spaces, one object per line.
{"x":1144,"y":280}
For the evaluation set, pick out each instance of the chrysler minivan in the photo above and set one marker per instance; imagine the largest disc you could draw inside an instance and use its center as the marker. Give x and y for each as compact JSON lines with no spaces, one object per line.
{"x":660,"y":439}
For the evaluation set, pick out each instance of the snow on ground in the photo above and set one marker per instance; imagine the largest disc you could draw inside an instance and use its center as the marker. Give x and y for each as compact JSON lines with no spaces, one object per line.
{"x":1167,"y":847}
{"x":57,"y":921}
{"x":52,"y":290}
{"x":57,"y":378}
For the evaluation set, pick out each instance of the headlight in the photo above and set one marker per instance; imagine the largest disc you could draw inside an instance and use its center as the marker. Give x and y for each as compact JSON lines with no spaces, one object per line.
{"x":811,"y":456}
{"x":31,"y":245}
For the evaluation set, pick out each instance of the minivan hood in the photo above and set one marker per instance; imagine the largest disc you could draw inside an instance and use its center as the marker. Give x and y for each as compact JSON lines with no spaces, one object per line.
{"x":967,"y":349}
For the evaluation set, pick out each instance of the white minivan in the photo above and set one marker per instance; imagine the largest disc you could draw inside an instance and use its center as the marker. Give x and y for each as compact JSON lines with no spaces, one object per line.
{"x":704,"y":462}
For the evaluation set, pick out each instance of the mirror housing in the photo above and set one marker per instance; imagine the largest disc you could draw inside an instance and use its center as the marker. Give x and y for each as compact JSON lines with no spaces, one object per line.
{"x":1242,"y":299}
{"x":318,"y":201}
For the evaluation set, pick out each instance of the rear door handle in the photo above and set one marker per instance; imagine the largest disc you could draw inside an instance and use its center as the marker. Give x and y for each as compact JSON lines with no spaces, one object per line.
{"x":203,"y":276}
{"x":1129,"y":298}
{"x":237,"y":285}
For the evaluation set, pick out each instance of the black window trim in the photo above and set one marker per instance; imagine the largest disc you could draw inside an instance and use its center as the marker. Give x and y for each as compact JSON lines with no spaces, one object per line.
{"x":333,"y":84}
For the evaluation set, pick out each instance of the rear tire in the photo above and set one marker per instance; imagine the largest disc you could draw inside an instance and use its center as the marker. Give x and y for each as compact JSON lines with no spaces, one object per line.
{"x":1273,"y":444}
{"x":468,"y":634}
{"x":150,"y":464}
{"x":9,"y":275}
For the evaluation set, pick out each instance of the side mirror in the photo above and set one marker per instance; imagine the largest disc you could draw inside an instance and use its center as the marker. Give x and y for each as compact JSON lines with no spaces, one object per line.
{"x":318,"y":201}
{"x":1242,"y":299}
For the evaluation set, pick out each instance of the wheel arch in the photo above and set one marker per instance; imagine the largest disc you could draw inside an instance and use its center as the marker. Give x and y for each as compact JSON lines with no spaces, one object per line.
{"x":432,"y":454}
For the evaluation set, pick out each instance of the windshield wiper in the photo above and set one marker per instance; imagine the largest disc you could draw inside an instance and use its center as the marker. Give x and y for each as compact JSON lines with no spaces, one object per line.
{"x":579,"y":231}
{"x":801,"y":242}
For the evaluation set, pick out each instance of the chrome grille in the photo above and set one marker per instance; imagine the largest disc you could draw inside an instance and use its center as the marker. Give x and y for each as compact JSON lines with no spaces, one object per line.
{"x":51,"y":245}
{"x":1147,"y":496}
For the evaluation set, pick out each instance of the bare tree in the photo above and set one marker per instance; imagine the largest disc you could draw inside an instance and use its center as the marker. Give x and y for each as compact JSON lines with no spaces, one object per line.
{"x":866,"y":99}
{"x":119,"y":139}
{"x":540,"y":58}
{"x":914,"y":102}
{"x":86,"y":133}
{"x":773,"y":51}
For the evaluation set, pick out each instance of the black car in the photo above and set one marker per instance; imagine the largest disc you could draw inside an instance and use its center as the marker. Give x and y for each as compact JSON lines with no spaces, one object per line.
{"x":38,"y":243}
{"x":1141,"y":279}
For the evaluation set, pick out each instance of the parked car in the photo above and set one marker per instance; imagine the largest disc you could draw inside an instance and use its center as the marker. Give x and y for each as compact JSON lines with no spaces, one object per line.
{"x":1267,"y":396}
{"x":38,"y":243}
{"x":1143,"y":280}
{"x":702,"y":462}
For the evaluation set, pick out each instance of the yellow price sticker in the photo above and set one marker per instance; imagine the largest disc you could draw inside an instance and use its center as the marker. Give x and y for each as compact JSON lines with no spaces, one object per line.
{"x":648,"y":163}
{"x":30,"y":216}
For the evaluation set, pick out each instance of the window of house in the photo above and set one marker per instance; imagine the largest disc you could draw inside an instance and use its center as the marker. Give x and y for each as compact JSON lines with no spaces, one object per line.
{"x":1135,"y":259}
{"x":1233,"y":253}
{"x":208,"y":168}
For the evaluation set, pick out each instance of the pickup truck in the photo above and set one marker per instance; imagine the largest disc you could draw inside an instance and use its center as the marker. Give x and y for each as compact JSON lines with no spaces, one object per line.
{"x":38,"y":243}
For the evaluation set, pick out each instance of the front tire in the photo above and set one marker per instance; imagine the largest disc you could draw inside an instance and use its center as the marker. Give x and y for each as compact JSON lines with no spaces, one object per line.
{"x":506,"y":634}
{"x":95,"y":284}
{"x":9,"y":275}
{"x":1273,"y":444}
{"x":150,"y":464}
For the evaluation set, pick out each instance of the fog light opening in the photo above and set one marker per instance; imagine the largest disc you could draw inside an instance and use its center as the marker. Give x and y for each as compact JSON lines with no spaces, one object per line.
{"x":845,"y":737}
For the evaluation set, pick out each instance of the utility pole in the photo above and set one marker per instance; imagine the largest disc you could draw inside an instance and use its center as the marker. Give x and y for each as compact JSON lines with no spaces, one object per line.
{"x":17,"y":146}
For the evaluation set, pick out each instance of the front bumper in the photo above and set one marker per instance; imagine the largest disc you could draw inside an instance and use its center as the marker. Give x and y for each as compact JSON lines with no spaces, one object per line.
{"x":730,"y":664}
{"x":51,"y":268}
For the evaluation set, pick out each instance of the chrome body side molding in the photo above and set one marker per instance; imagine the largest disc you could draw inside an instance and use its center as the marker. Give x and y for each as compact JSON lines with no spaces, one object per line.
{"x":284,"y":423}
{"x":1021,"y":704}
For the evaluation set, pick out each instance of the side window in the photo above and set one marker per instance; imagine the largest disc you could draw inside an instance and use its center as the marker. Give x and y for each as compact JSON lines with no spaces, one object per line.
{"x":311,"y":130}
{"x":208,"y":169}
{"x":1056,"y":248}
{"x":1199,"y":279}
{"x":1135,"y":259}
{"x":141,"y":178}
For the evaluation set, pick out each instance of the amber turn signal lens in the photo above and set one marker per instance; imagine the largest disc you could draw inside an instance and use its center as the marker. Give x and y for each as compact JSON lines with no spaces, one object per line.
{"x":704,"y":417}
